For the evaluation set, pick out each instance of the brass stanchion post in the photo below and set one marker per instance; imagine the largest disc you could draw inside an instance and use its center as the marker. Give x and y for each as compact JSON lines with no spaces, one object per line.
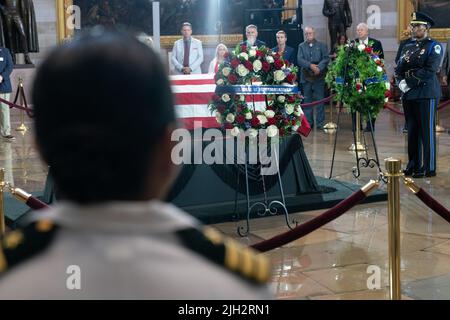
{"x":359,"y":146}
{"x":438,"y":127}
{"x":2,"y":212}
{"x":331,"y":126}
{"x":394,"y":173}
{"x":22,"y":128}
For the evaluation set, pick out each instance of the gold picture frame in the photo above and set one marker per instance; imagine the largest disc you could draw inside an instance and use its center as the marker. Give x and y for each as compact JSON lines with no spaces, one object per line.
{"x":405,"y":8}
{"x":167,"y":42}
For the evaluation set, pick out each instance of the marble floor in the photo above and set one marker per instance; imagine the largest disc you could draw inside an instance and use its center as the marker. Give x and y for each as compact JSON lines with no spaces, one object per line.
{"x":332,"y":262}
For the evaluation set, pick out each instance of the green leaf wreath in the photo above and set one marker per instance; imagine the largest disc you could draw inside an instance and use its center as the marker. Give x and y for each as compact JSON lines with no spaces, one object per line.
{"x":365,"y":87}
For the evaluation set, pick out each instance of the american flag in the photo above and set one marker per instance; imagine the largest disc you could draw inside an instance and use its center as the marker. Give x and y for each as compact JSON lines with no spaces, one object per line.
{"x":192,"y":95}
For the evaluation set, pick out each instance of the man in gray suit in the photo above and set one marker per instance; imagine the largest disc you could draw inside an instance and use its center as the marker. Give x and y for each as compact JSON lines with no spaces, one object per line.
{"x":313,"y":60}
{"x":187,"y":53}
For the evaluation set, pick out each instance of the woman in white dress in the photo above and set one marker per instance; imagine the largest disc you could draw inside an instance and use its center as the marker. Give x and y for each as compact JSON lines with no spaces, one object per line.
{"x":221,"y":50}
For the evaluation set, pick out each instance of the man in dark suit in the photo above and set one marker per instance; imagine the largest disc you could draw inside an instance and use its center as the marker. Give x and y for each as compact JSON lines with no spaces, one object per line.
{"x":251,"y":33}
{"x":283,"y":50}
{"x":6,"y":67}
{"x":363,"y":38}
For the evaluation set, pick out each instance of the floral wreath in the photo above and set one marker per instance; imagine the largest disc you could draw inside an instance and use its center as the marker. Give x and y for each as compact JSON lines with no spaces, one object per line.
{"x":261,"y":67}
{"x":368,"y":88}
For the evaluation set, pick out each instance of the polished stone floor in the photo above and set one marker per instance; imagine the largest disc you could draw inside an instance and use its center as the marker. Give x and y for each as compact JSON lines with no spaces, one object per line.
{"x":332,"y":262}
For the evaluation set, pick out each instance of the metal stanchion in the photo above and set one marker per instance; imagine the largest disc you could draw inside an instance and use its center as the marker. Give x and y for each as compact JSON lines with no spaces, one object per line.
{"x":394,"y":173}
{"x":359,"y":146}
{"x":2,"y":212}
{"x":438,"y":127}
{"x":22,"y":128}
{"x":331,"y":126}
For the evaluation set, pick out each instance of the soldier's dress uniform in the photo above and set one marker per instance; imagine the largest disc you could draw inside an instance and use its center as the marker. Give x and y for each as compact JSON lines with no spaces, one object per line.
{"x":416,"y":74}
{"x":148,"y":250}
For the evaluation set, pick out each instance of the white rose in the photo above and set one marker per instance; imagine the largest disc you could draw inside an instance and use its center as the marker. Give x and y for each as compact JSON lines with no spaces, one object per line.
{"x":242,"y":98}
{"x":279,"y":75}
{"x":219,"y":82}
{"x":257,"y":65}
{"x":230,"y":118}
{"x":226,"y":71}
{"x":362,"y":47}
{"x":269,"y":114}
{"x":242,"y":70}
{"x":281,"y":99}
{"x":252,"y":133}
{"x":298,"y":112}
{"x":386,"y":100}
{"x":272,"y":131}
{"x":379,"y":69}
{"x":226,"y":98}
{"x":262,"y":119}
{"x":295,"y":128}
{"x":252,"y":53}
{"x":244,"y":55}
{"x":289,"y":109}
{"x":388,"y":86}
{"x":270,"y":59}
{"x":235,"y":132}
{"x":248,"y":116}
{"x":218,"y":117}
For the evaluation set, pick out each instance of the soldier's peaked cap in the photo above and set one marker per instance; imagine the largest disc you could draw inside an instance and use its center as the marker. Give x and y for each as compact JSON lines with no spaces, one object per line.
{"x":418,"y":17}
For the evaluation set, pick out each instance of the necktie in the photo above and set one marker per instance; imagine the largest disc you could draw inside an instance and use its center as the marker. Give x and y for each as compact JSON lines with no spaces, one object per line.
{"x":186,"y":54}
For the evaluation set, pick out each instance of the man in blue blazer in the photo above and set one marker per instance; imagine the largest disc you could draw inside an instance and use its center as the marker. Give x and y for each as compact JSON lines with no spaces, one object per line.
{"x":283,"y":50}
{"x":251,"y":33}
{"x":6,"y":68}
{"x":187,"y":53}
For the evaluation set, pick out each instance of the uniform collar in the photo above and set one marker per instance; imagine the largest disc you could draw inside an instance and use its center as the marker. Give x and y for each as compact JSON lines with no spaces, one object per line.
{"x":121,"y":217}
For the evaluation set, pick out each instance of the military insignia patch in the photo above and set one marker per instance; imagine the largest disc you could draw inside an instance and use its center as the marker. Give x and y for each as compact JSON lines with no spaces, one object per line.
{"x":437,"y":49}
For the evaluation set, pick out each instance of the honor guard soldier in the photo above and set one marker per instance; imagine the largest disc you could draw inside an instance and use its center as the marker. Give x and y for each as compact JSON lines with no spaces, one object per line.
{"x":112,"y":236}
{"x":417,"y":78}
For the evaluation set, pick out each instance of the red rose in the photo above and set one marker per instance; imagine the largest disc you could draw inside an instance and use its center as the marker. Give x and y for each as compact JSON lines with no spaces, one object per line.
{"x":235,"y":63}
{"x":216,"y":98}
{"x":278,"y":64}
{"x":358,"y":86}
{"x":369,"y":50}
{"x":269,"y":108}
{"x":379,"y":62}
{"x":291,"y":78}
{"x":249,"y":65}
{"x":228,"y":126}
{"x":243,"y":48}
{"x":271,"y":122}
{"x":259,"y":54}
{"x":221,"y":108}
{"x":276,"y":56}
{"x":240,"y":119}
{"x":282,"y":132}
{"x":232,"y":78}
{"x":255,"y":122}
{"x":387,"y":94}
{"x":291,"y":99}
{"x":266,"y":66}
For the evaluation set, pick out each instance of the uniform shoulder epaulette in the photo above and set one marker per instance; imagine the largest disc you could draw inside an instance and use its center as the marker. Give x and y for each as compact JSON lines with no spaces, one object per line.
{"x":19,"y":245}
{"x":226,"y":252}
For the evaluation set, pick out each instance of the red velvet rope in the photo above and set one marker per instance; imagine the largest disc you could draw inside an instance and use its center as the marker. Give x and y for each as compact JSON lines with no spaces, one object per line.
{"x":316,"y":103}
{"x":441,"y":106}
{"x":36,"y":204}
{"x":433,"y":204}
{"x":311,"y":225}
{"x":13,"y":105}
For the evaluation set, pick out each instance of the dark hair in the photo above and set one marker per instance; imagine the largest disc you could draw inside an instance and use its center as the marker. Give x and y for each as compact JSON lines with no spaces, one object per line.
{"x":102,"y":102}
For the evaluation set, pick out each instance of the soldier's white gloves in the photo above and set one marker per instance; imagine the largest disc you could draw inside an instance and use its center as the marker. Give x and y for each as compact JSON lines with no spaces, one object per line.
{"x":403,"y":86}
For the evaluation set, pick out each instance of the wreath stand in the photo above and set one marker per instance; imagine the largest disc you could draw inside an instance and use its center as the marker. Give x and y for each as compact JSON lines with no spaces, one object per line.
{"x":361,"y":150}
{"x":267,"y":208}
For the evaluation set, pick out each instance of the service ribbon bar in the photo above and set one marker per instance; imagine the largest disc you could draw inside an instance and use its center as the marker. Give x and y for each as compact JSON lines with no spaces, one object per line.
{"x":248,"y":90}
